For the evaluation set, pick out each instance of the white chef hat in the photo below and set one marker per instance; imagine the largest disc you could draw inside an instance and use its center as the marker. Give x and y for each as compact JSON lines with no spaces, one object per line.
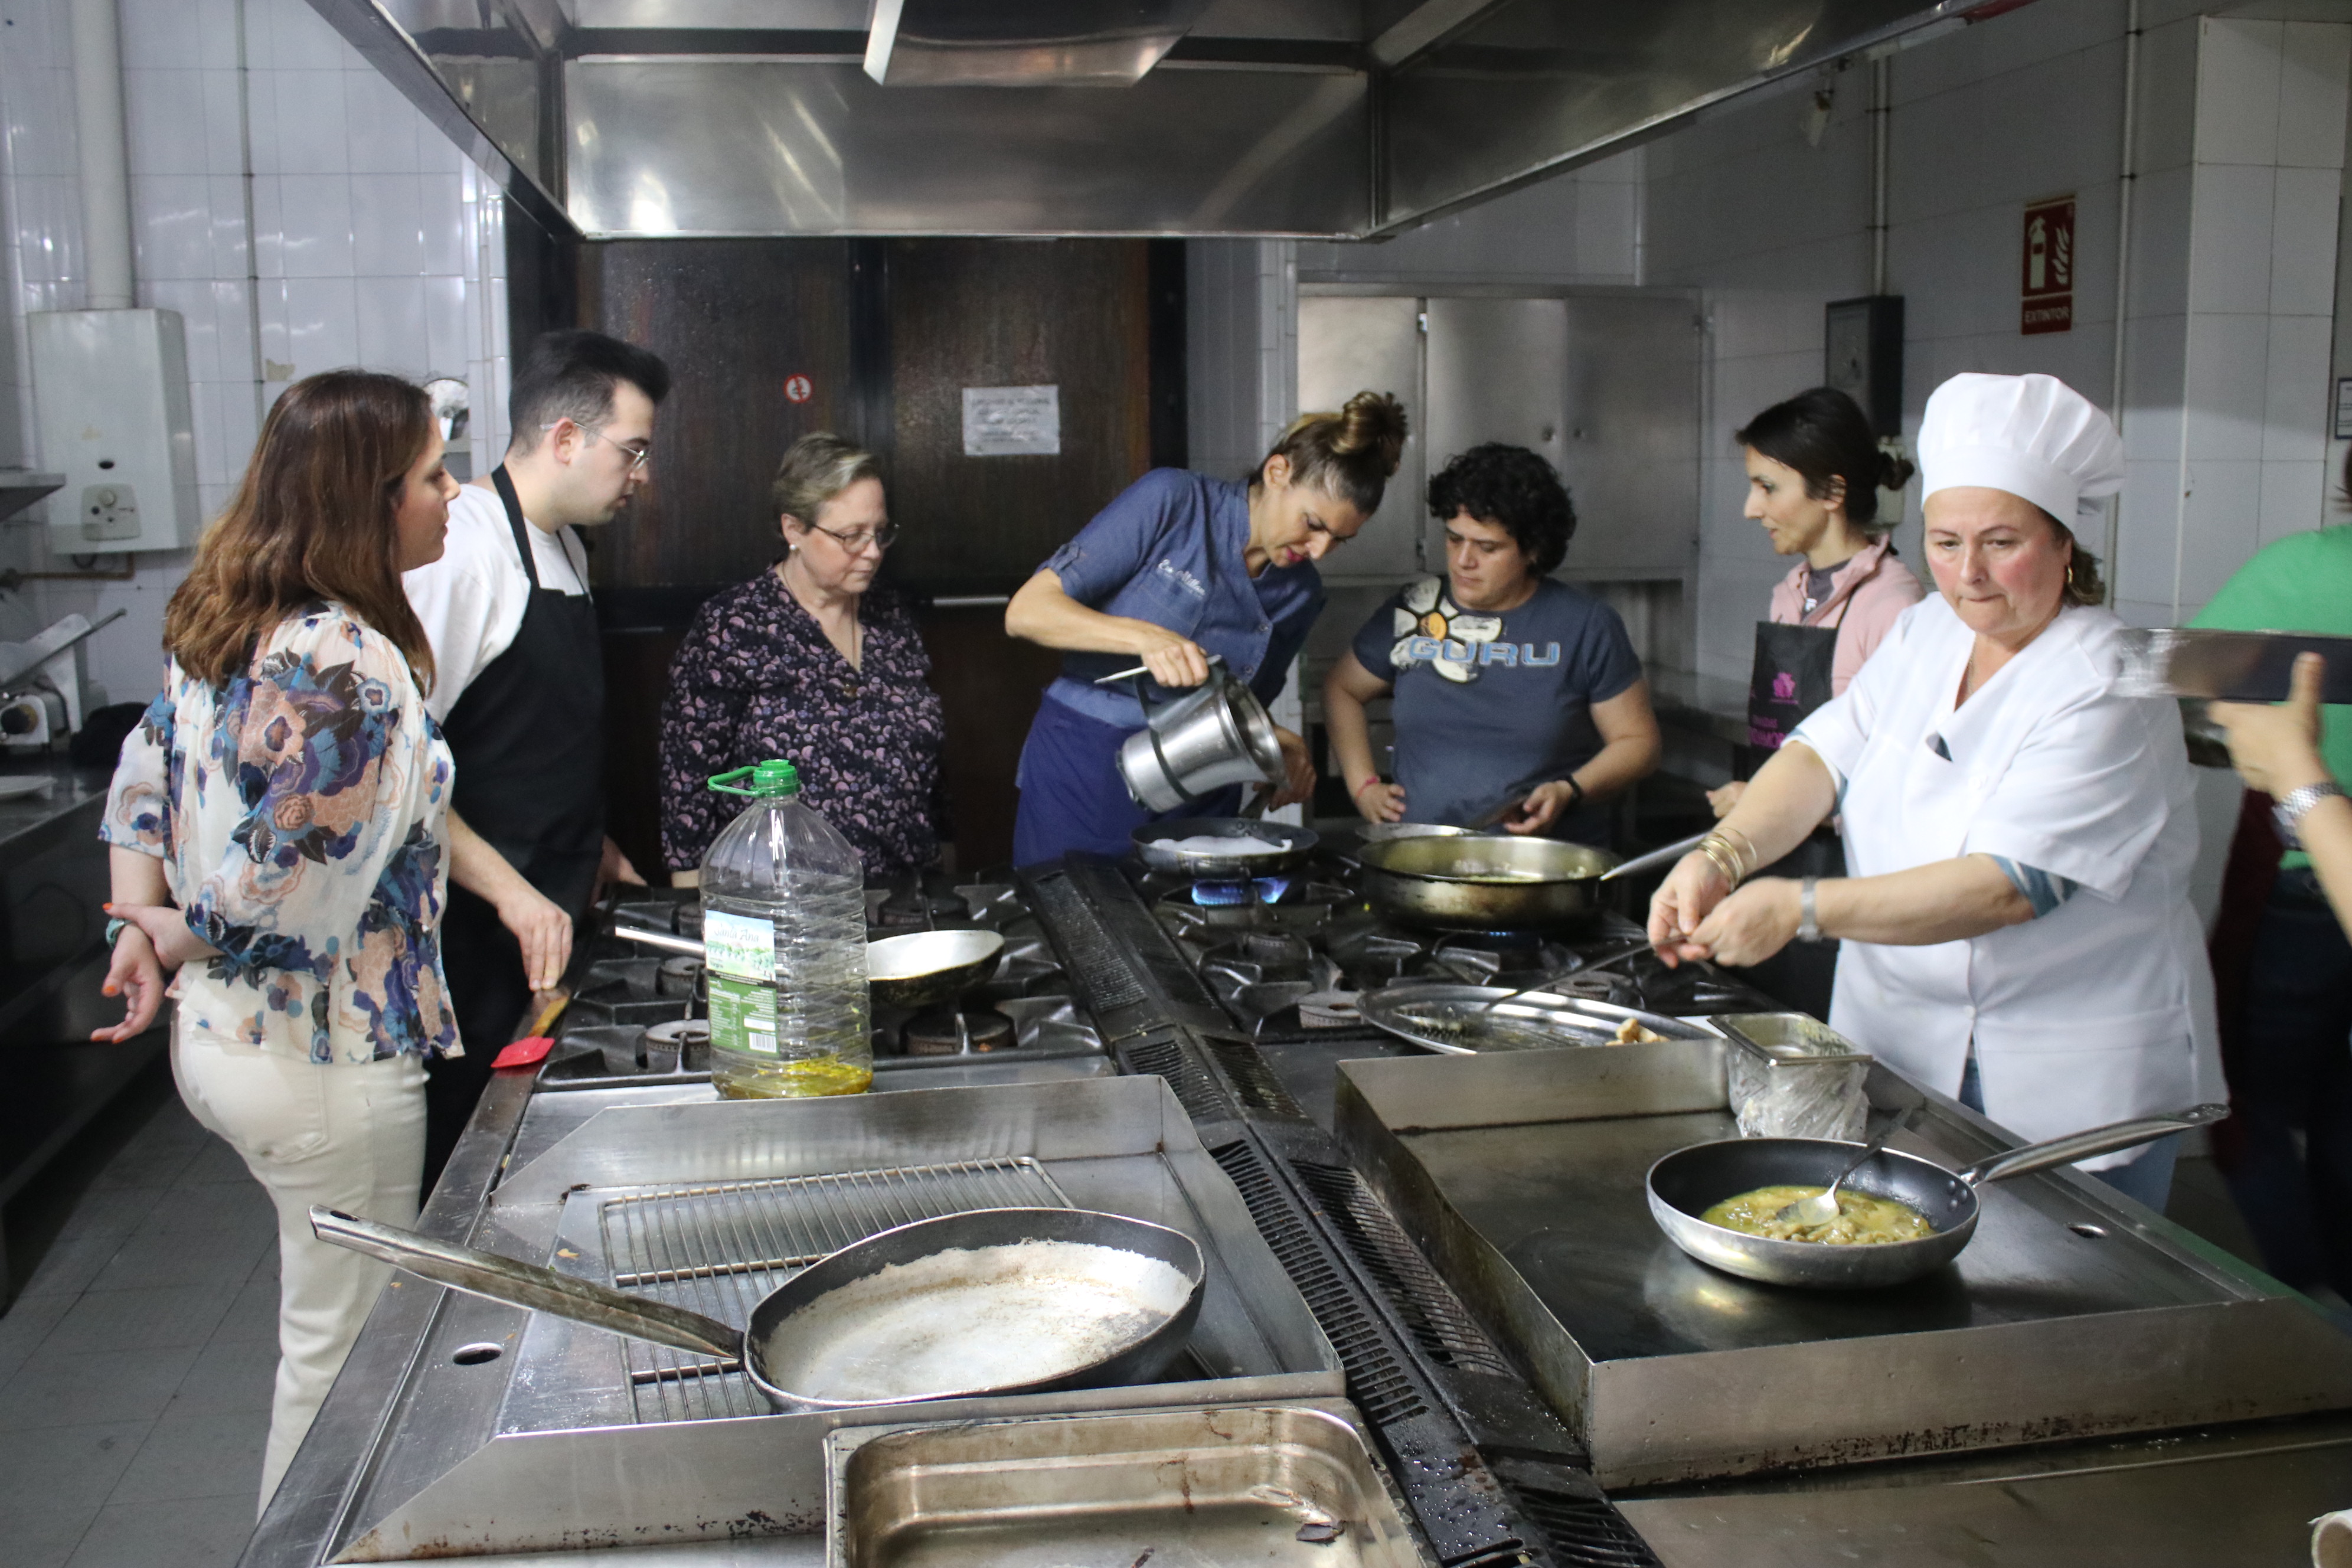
{"x":2033,"y":435}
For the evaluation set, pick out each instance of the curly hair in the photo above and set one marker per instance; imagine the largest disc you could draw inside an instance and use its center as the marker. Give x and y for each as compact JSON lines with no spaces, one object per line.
{"x":1514,"y":489}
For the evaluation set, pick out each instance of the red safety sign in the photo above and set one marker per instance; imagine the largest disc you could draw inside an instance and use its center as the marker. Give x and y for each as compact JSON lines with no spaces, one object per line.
{"x":2047,"y":284}
{"x":799,"y":389}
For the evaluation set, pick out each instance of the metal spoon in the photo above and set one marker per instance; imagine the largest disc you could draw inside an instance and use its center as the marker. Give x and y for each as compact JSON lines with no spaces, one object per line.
{"x":1823,"y":1206}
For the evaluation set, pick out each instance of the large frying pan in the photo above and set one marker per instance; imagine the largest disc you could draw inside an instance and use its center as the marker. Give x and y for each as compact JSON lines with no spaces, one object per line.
{"x":1688,"y":1182}
{"x":1479,"y":881}
{"x":778,"y":1356}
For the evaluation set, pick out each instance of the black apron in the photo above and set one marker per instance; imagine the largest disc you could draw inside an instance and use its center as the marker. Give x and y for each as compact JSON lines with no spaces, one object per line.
{"x":1790,"y":678}
{"x":527,"y":737}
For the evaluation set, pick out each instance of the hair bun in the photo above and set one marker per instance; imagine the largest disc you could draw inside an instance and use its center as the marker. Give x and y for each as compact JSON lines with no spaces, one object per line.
{"x":1894,"y":471}
{"x":1372,"y":421}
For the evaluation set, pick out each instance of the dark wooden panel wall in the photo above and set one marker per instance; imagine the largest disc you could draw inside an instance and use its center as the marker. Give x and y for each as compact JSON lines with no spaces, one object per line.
{"x":889,"y":333}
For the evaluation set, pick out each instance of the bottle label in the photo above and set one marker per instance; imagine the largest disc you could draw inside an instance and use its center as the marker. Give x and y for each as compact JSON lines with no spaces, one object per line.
{"x":742,"y":1013}
{"x":739,"y":945}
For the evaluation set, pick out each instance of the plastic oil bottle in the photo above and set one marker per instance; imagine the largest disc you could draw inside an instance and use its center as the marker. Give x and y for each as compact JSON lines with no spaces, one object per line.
{"x":783,"y":929}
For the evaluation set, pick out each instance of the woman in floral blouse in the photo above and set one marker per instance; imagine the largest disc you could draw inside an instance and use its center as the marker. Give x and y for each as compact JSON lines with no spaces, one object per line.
{"x":804,"y":662}
{"x":279,"y":836}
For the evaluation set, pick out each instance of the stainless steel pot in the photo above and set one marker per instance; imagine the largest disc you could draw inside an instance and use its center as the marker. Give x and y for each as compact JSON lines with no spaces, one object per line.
{"x":1483,"y":883}
{"x":775,"y":1357}
{"x":1688,"y":1182}
{"x":1297,"y":844}
{"x":1214,"y":735}
{"x":928,"y":966}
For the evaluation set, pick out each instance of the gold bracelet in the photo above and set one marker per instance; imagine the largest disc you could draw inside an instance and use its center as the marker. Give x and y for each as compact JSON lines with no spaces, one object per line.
{"x":1723,"y":858}
{"x":1751,"y":860}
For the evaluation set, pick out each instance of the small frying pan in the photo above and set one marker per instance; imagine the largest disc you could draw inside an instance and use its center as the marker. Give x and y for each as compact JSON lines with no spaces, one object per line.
{"x":778,"y":1358}
{"x":1294,"y":845}
{"x":1689,"y":1182}
{"x":928,"y":966}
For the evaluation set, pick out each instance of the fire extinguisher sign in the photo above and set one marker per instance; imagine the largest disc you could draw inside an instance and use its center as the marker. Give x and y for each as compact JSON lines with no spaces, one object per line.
{"x":2047,"y":287}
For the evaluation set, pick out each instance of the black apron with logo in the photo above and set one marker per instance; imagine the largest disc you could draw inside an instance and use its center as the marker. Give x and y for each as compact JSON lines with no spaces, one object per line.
{"x":1790,"y":678}
{"x":527,"y":737}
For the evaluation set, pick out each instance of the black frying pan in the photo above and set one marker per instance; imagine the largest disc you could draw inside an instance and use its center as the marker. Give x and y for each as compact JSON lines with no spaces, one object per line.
{"x":776,"y":1355}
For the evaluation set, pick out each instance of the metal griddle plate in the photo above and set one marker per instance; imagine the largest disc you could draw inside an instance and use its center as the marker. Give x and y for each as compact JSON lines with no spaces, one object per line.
{"x":2073,"y":1312}
{"x":564,"y":1437}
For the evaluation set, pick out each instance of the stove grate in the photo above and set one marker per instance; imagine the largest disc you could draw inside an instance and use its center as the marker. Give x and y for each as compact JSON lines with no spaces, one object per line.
{"x":1431,"y":1311}
{"x":1255,"y":1083}
{"x":1093,"y":959}
{"x":1195,"y":1088}
{"x":1579,"y":1525}
{"x":1378,"y":1379}
{"x":717,"y":1249}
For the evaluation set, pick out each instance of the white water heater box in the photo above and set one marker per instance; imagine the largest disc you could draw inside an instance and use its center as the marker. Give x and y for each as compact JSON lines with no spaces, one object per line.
{"x":111,"y":397}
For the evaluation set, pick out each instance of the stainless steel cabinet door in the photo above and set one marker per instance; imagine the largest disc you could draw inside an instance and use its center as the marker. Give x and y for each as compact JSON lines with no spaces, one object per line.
{"x":1347,"y":345}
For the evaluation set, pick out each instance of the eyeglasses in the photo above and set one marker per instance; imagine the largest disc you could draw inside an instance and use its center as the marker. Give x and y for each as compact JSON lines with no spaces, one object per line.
{"x":882,"y":538}
{"x":596,"y":433}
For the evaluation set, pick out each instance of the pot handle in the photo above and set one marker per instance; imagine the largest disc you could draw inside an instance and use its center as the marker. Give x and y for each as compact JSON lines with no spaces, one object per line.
{"x":2032,"y":1157}
{"x":519,"y":1284}
{"x":1217,"y":677}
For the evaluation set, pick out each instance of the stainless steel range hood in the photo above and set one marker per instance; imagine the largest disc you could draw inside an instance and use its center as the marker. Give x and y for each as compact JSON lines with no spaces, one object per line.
{"x":1328,"y":119}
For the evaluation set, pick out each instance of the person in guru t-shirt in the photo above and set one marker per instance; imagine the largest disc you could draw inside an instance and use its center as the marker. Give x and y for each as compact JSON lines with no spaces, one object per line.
{"x":1509,"y":686}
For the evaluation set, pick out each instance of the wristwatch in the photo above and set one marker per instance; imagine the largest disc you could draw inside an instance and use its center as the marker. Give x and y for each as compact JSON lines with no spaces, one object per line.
{"x":2295,"y":803}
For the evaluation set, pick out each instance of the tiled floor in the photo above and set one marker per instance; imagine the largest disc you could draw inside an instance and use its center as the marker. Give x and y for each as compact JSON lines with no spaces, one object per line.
{"x":137,"y":1361}
{"x":135,"y":1367}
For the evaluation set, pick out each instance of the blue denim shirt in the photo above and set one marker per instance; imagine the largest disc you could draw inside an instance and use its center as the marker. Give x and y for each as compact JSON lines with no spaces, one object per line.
{"x":1169,"y":549}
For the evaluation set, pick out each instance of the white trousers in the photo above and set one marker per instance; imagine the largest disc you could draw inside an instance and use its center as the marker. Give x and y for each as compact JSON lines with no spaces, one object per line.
{"x":350,"y":1136}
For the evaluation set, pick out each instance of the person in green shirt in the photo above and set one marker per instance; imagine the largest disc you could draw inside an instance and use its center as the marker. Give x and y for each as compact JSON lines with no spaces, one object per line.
{"x":2291,"y":1057}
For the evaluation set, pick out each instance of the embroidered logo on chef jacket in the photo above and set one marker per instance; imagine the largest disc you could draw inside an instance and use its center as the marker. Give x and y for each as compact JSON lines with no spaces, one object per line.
{"x":1432,"y":630}
{"x":1181,"y":578}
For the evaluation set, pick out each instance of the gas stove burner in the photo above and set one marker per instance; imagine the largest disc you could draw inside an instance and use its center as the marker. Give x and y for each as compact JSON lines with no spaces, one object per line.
{"x":938,"y":1035}
{"x":903,"y":909}
{"x":682,"y":1044}
{"x":1238,"y":894}
{"x":679,"y":976}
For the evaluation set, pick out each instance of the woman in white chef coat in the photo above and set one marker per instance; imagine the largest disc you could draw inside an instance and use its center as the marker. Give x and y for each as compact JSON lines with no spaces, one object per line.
{"x":2016,"y":926}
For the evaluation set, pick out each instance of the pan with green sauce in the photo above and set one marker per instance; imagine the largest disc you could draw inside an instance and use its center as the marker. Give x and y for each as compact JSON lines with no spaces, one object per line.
{"x":1863,"y":1220}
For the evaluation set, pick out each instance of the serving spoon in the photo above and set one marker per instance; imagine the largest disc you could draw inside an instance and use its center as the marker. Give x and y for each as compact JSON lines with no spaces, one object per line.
{"x":1823,"y":1206}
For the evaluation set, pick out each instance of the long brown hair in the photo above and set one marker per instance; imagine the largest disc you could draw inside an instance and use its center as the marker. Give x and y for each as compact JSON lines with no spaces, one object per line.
{"x":313,"y":520}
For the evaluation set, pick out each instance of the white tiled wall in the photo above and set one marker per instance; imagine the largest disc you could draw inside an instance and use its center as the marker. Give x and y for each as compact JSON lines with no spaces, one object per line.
{"x":295,"y":210}
{"x":2026,"y":106}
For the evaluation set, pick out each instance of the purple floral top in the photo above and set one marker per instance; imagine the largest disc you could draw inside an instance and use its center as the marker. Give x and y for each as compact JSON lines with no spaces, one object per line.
{"x":756,"y":678}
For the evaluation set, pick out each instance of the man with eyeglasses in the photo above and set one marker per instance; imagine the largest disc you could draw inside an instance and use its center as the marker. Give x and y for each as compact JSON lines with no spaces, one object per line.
{"x":519,"y":690}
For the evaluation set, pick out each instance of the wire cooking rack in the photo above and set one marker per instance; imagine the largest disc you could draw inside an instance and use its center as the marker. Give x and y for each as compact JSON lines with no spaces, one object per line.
{"x":718,"y":1250}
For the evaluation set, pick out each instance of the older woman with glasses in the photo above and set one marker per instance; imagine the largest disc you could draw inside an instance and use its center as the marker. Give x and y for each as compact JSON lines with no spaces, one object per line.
{"x":806,"y":661}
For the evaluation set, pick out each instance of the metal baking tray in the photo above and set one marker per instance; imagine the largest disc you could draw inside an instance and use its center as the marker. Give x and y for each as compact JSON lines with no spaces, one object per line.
{"x":1455,"y":1019}
{"x":1270,"y":1484}
{"x":2073,"y":1312}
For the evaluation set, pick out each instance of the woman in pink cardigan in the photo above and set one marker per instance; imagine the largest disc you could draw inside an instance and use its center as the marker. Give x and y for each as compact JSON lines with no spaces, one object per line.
{"x":1814,"y":471}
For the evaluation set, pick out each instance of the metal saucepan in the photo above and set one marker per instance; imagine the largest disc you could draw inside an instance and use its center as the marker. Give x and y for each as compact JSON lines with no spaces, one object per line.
{"x":1688,"y":1182}
{"x":1483,"y":881}
{"x":928,"y":966}
{"x":1216,"y":734}
{"x":1297,"y":844}
{"x":792,"y":1344}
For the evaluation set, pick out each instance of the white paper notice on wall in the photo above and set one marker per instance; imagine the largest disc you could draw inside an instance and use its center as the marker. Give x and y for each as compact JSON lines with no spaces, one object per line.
{"x":1011,"y":421}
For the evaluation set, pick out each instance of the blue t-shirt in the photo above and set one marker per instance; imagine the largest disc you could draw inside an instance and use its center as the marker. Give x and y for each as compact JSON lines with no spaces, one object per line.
{"x":1487,"y":702}
{"x":1169,"y":549}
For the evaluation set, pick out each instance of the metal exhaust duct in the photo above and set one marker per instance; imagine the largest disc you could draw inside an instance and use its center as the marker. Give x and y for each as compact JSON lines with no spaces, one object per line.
{"x":1023,"y":43}
{"x":1318,"y":119}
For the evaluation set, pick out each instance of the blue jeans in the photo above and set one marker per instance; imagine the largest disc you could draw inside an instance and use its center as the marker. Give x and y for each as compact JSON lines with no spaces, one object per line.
{"x":2146,"y":1177}
{"x":1072,"y":796}
{"x":2292,"y":1074}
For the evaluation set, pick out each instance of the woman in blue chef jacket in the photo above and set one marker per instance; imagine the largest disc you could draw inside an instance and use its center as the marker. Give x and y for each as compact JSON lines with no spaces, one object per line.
{"x":1180,"y":567}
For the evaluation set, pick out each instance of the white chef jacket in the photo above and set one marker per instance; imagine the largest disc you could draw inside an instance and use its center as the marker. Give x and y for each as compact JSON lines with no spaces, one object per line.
{"x":2098,"y":1011}
{"x":471,"y":600}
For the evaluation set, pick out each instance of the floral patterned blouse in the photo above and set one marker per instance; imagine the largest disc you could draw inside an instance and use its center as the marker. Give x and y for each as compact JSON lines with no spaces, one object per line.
{"x":757,"y":677}
{"x":299,"y":814}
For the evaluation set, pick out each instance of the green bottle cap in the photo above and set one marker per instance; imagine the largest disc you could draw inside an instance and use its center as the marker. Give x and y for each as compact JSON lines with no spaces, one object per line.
{"x":770,"y":780}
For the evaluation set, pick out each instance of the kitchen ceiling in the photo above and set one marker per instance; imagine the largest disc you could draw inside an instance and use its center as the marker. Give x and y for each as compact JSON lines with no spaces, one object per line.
{"x":1330,"y":119}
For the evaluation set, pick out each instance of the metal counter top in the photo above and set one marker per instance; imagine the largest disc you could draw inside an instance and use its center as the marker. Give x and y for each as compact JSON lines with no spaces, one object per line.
{"x":31,"y":822}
